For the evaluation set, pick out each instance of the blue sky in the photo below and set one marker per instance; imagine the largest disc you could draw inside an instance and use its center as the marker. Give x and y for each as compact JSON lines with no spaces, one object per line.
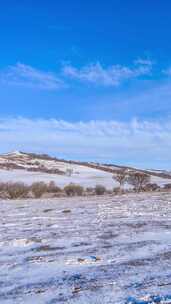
{"x":70,"y":66}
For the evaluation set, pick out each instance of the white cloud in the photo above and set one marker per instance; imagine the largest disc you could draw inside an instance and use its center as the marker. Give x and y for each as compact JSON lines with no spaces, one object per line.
{"x":110,"y":76}
{"x":142,"y":61}
{"x":27,"y":76}
{"x":145,"y":143}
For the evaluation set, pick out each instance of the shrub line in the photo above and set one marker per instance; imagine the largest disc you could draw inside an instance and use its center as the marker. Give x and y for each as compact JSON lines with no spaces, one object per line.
{"x":15,"y":190}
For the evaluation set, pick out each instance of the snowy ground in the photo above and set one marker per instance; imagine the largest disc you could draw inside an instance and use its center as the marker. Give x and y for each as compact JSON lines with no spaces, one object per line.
{"x":84,"y":176}
{"x":105,"y":250}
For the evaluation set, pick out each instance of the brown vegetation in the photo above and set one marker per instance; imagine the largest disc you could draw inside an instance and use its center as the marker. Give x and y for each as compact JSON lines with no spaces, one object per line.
{"x":73,"y":189}
{"x":167,"y":186}
{"x":151,"y":187}
{"x":38,"y":189}
{"x":100,"y":189}
{"x":14,"y":190}
{"x":53,"y":188}
{"x":121,"y":177}
{"x":138,"y":180}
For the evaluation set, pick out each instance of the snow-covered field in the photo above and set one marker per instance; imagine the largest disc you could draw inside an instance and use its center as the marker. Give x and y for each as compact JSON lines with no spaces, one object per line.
{"x":84,"y":176}
{"x":86,"y":250}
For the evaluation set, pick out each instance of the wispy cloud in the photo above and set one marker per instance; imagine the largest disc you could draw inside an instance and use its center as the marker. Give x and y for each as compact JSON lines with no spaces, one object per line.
{"x":27,"y":76}
{"x":110,"y":76}
{"x":140,"y":143}
{"x":145,"y":62}
{"x":31,"y":77}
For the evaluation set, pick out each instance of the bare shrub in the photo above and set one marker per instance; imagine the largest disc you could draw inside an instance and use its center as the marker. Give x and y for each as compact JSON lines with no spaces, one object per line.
{"x":117,"y":190}
{"x":4,"y":195}
{"x":38,"y":189}
{"x":53,"y":188}
{"x":138,"y":180}
{"x":90,"y":190}
{"x":151,"y":187}
{"x":109,"y":191}
{"x":16,"y":190}
{"x":120,"y":177}
{"x":100,"y":189}
{"x":73,"y":189}
{"x":3,"y":186}
{"x":167,"y":186}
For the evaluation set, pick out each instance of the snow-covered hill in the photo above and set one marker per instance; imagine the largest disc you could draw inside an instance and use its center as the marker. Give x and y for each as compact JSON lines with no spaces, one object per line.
{"x":29,"y":167}
{"x":18,"y":166}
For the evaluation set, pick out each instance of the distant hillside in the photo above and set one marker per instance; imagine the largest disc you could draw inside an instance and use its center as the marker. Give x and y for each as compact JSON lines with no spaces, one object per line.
{"x":44,"y":163}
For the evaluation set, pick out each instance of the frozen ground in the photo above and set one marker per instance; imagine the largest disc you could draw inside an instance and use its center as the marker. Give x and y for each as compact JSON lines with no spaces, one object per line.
{"x":105,"y":250}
